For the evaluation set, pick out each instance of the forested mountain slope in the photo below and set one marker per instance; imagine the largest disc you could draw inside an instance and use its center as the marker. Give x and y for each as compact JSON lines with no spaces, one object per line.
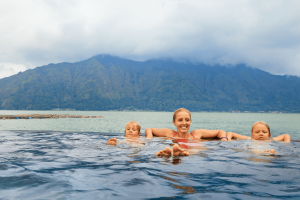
{"x":108,"y":83}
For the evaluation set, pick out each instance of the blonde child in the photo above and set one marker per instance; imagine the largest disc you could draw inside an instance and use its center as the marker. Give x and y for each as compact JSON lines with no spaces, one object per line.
{"x":132,"y":131}
{"x":260,"y":131}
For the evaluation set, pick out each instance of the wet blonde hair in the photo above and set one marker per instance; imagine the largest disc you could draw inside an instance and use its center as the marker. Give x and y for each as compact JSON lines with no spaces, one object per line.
{"x":179,"y":110}
{"x":135,"y":124}
{"x":262,"y":123}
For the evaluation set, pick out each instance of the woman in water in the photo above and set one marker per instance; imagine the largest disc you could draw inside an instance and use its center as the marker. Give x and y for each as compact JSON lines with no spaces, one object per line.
{"x":260,"y":131}
{"x":182,"y":120}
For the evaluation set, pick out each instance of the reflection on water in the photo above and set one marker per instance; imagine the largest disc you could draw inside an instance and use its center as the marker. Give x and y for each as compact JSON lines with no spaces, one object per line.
{"x":187,"y":190}
{"x":79,"y":165}
{"x":258,"y":160}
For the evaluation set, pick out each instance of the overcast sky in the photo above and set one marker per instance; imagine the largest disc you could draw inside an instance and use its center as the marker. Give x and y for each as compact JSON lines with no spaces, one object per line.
{"x":262,"y":34}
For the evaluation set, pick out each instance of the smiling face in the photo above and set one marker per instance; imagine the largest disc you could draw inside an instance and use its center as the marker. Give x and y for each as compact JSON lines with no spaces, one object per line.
{"x":132,"y":130}
{"x":260,"y":132}
{"x":182,"y":122}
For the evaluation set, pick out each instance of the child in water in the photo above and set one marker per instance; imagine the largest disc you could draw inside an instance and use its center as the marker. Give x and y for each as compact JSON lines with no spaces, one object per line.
{"x":132,"y":131}
{"x":260,"y":131}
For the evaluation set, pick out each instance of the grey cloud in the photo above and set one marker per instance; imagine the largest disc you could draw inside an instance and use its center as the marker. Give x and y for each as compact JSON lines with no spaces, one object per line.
{"x":262,"y":34}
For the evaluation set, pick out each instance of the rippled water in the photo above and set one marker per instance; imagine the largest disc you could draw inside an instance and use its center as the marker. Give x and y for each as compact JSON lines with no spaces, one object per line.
{"x":60,"y":165}
{"x":72,"y":161}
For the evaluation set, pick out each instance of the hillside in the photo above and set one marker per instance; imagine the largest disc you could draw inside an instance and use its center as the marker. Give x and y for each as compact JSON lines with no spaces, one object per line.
{"x":109,"y":83}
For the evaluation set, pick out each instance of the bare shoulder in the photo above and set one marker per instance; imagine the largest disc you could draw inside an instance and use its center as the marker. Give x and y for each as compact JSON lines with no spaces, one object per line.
{"x":163,"y":132}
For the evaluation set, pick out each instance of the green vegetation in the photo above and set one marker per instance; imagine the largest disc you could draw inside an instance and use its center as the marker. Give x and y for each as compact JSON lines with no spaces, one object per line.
{"x":111,"y":83}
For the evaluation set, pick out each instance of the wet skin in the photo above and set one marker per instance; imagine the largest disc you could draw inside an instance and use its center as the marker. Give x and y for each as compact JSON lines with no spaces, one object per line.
{"x":176,"y":150}
{"x":112,"y":141}
{"x":260,"y":132}
{"x":272,"y":151}
{"x":132,"y":131}
{"x":182,"y":123}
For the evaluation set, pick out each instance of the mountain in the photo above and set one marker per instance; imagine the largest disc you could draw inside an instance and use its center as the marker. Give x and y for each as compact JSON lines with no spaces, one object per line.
{"x":104,"y":82}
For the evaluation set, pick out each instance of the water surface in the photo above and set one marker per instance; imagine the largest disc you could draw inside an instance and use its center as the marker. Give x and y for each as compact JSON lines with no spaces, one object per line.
{"x":69,"y":159}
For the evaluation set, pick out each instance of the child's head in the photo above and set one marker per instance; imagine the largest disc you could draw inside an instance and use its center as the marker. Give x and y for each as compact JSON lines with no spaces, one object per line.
{"x":260,"y":131}
{"x":133,"y":129}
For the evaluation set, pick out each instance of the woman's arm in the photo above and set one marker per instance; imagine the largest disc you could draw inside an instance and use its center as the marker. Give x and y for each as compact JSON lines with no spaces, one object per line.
{"x":284,"y":137}
{"x":203,"y":133}
{"x":164,"y":132}
{"x":148,"y":133}
{"x":237,"y":136}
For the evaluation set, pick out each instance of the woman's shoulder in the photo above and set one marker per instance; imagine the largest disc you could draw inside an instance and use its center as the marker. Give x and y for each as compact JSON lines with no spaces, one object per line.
{"x":172,"y":133}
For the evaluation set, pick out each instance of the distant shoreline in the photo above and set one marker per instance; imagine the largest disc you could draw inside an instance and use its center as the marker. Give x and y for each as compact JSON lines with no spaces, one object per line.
{"x":73,"y":110}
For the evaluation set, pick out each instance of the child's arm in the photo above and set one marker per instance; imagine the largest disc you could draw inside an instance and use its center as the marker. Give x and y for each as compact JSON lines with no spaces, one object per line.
{"x":231,"y":135}
{"x":112,"y":141}
{"x":284,"y":137}
{"x":164,"y":132}
{"x":203,"y":133}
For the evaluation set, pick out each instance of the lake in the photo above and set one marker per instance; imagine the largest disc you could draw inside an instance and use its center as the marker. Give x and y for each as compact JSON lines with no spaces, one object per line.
{"x":68,"y":159}
{"x":114,"y":122}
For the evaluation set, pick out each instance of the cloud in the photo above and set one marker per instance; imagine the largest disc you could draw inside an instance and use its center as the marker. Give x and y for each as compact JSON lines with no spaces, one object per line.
{"x":261,"y":34}
{"x":8,"y":69}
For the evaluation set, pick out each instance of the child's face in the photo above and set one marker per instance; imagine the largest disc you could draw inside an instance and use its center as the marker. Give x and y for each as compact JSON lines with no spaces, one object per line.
{"x":182,"y":122}
{"x":132,"y":130}
{"x":260,"y":132}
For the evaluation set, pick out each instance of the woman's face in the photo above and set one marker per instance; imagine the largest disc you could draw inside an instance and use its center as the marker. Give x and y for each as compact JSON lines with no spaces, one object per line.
{"x":182,"y":122}
{"x":260,"y":132}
